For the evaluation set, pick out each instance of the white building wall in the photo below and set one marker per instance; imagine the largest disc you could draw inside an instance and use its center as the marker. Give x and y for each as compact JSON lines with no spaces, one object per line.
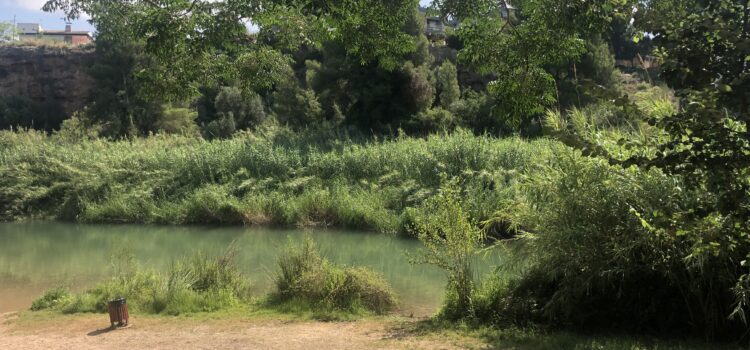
{"x":29,"y":28}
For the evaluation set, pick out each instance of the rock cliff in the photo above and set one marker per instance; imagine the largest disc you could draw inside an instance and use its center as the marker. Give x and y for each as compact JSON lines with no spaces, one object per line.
{"x":55,"y":76}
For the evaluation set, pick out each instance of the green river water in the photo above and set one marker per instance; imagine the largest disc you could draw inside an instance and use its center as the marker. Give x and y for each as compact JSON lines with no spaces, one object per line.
{"x":38,"y":255}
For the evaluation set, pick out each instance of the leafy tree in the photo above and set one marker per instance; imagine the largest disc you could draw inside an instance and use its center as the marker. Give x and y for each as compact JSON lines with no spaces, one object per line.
{"x":435,"y":119}
{"x":418,"y":90}
{"x":543,"y":33}
{"x":598,"y":63}
{"x":246,"y":108}
{"x":220,"y":128}
{"x":198,"y":39}
{"x":369,"y":97}
{"x":447,"y":81}
{"x":123,"y":100}
{"x":296,"y":106}
{"x":705,"y":50}
{"x":475,"y":110}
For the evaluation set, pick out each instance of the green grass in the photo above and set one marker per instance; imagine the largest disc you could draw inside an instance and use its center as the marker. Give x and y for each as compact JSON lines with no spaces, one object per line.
{"x":307,"y":282}
{"x":277,"y":179}
{"x":191,"y":285}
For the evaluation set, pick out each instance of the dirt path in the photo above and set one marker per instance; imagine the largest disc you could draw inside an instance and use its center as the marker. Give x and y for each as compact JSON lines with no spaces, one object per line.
{"x":86,"y":332}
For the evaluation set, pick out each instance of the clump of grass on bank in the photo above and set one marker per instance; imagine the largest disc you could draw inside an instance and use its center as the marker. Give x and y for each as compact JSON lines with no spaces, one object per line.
{"x":52,"y":298}
{"x":198,"y":284}
{"x":306,"y":281}
{"x":274,"y":179}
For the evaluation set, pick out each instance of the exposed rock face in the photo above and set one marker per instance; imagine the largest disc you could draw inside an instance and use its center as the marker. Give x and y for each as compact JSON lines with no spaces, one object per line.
{"x":52,"y":75}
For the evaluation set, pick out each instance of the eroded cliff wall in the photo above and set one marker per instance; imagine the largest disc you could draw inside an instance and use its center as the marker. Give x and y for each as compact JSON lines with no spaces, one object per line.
{"x":55,"y":76}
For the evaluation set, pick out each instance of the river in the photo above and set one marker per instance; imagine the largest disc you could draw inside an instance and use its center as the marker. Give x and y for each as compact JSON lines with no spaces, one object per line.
{"x":35,"y":256}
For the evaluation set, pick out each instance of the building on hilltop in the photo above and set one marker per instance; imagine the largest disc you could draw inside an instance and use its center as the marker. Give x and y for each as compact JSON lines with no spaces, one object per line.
{"x":34,"y":31}
{"x":437,"y":28}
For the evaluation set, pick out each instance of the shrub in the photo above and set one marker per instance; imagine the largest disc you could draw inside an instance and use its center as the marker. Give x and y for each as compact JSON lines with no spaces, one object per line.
{"x":306,"y":277}
{"x":451,"y":242}
{"x":51,"y":299}
{"x":177,"y":120}
{"x":435,"y":119}
{"x":594,"y":260}
{"x":246,"y":108}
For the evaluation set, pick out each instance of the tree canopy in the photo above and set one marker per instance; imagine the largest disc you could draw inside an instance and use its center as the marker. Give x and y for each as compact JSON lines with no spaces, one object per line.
{"x":200,"y":40}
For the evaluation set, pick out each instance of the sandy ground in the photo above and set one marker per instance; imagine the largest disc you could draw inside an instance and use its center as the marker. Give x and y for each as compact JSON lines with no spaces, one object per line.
{"x":89,"y":332}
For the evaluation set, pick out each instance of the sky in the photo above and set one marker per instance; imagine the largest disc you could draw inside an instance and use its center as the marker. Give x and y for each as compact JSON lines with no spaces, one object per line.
{"x":29,"y":11}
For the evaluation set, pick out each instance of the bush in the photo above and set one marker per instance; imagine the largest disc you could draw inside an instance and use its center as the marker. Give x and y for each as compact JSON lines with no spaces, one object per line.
{"x":435,"y":120}
{"x":306,"y":277}
{"x":246,"y":108}
{"x":594,"y":260}
{"x":51,"y":299}
{"x":177,"y":120}
{"x":451,"y":242}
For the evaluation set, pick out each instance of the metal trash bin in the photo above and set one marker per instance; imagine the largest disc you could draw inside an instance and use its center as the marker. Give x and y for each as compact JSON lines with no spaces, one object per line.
{"x":118,"y":312}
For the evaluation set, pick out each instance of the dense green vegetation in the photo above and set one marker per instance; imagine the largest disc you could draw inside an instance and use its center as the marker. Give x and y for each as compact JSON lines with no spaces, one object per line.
{"x":630,"y":209}
{"x":305,"y":281}
{"x":195,"y":284}
{"x":281,"y":178}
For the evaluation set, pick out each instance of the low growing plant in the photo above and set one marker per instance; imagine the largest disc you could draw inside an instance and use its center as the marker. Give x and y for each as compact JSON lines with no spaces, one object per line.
{"x":198,"y":284}
{"x":451,"y":242}
{"x":306,"y":278}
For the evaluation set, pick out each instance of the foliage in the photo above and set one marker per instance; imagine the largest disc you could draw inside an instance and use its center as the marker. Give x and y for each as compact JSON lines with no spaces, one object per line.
{"x":418,"y":89}
{"x":451,"y":242}
{"x":51,"y":298}
{"x":704,"y":47}
{"x":225,"y":110}
{"x":75,"y":129}
{"x":177,"y":120}
{"x":21,"y":112}
{"x":197,"y":40}
{"x":280,"y":178}
{"x":435,"y":120}
{"x":246,"y":109}
{"x":197,"y":284}
{"x":223,"y":127}
{"x":123,"y":101}
{"x":475,"y":110}
{"x":587,"y":247}
{"x":447,"y":84}
{"x":296,"y":106}
{"x":368,"y":97}
{"x":545,"y":32}
{"x":304,"y":276}
{"x":598,"y":63}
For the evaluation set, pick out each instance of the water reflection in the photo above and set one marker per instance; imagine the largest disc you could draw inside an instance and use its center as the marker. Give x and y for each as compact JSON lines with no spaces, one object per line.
{"x":38,"y":255}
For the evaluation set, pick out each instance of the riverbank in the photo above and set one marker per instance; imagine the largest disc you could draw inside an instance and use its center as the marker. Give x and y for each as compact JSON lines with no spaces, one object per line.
{"x":281,"y":179}
{"x":244,"y":329}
